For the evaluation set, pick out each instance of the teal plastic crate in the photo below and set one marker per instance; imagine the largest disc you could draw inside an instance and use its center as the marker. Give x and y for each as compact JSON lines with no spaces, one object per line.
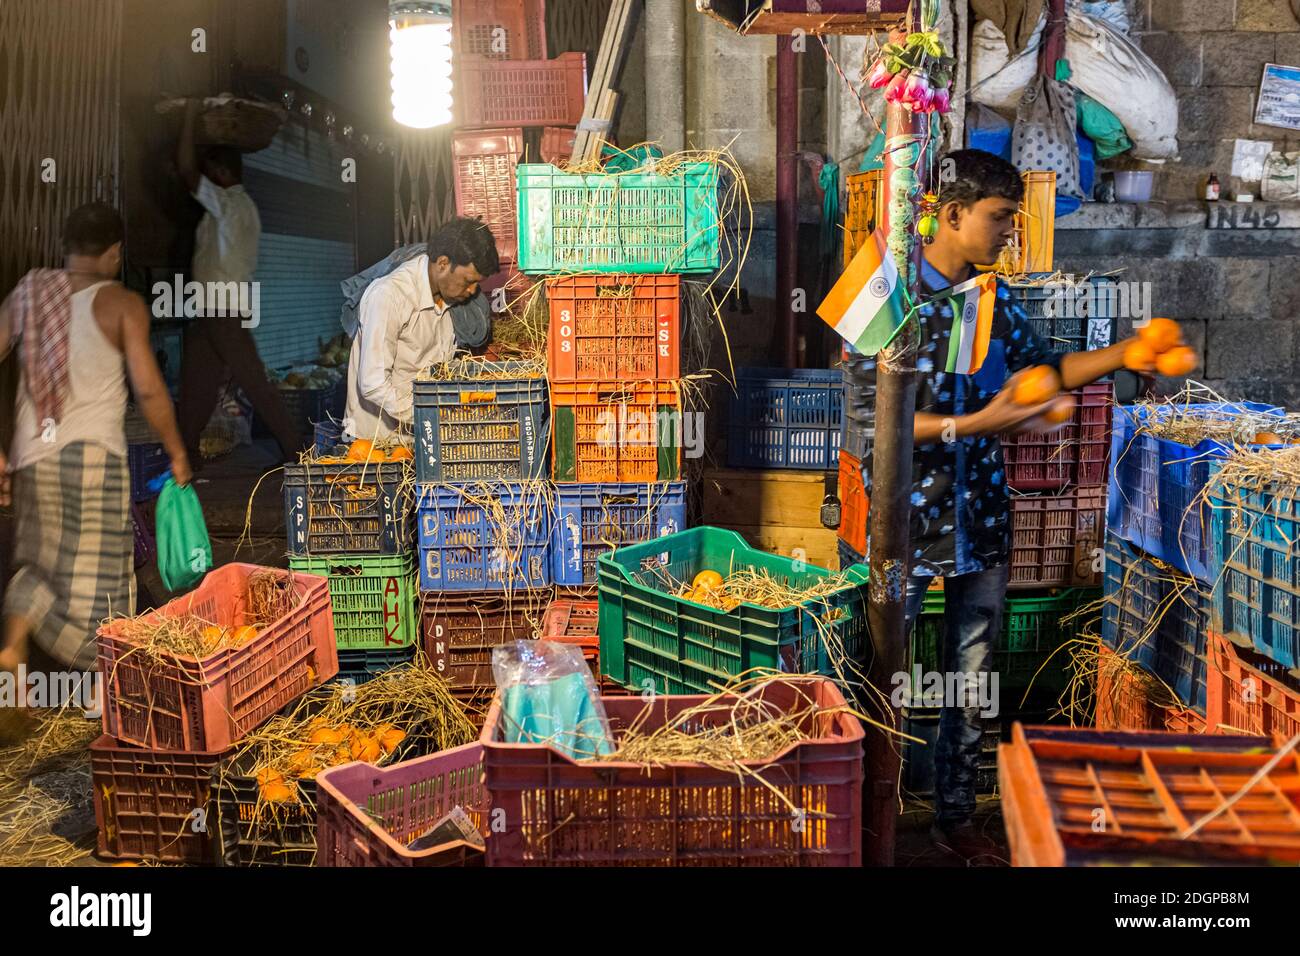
{"x":618,"y":222}
{"x":372,"y":596}
{"x":688,"y":648}
{"x":1032,"y":633}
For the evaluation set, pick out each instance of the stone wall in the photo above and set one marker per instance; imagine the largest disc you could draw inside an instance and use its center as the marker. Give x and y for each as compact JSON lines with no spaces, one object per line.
{"x":1214,"y":55}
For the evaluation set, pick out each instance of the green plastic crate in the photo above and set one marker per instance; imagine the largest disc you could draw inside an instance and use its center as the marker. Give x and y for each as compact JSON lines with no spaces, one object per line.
{"x":372,"y":596}
{"x":1031,"y":632}
{"x":687,"y":648}
{"x":617,"y":222}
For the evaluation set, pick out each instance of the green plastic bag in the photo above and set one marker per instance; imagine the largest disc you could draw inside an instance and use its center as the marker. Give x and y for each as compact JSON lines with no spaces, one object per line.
{"x":1102,"y":127}
{"x":184,"y":551}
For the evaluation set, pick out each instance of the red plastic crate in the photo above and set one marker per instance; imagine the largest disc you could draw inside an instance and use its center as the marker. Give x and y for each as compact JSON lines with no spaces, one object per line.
{"x":151,"y":805}
{"x":574,"y":622}
{"x":1057,"y":784}
{"x":460,"y":629}
{"x":522,"y":22}
{"x":610,"y":431}
{"x":493,"y":94}
{"x":1075,"y":455}
{"x":853,"y":504}
{"x":557,"y":144}
{"x":1056,"y":541}
{"x":1248,"y":693}
{"x":483,"y":170}
{"x":561,"y":812}
{"x":369,"y":816}
{"x":614,"y":328}
{"x":1124,"y":695}
{"x":203,"y":706}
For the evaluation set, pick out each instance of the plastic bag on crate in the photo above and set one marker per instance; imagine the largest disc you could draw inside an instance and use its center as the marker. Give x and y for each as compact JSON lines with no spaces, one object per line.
{"x":549,"y":696}
{"x":181,"y":534}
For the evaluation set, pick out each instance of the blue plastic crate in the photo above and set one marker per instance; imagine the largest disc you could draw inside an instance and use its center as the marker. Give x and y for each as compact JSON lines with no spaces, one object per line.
{"x":145,"y":461}
{"x":354,"y":508}
{"x":1154,"y":487}
{"x":1257,"y":596}
{"x":326,"y":436}
{"x":465,"y":546}
{"x":1157,"y":619}
{"x":591,"y":519}
{"x":358,"y":667}
{"x":482,"y":429}
{"x":785,"y":418}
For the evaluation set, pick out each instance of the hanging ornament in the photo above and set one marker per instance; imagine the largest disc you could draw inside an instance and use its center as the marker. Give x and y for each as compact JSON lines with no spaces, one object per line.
{"x":287,"y":98}
{"x":928,"y":225}
{"x":306,"y":110}
{"x":347,"y":133}
{"x":916,"y":73}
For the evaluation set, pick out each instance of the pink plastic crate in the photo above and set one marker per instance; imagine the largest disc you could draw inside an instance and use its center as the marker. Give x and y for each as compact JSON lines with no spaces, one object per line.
{"x":369,"y":816}
{"x":494,"y":94}
{"x":561,"y":812}
{"x":483,"y":169}
{"x":500,"y":29}
{"x":203,"y":706}
{"x":557,"y":144}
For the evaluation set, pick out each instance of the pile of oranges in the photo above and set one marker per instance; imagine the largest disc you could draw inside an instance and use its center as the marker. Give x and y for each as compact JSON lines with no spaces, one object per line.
{"x":1159,"y":348}
{"x":326,"y":747}
{"x":364,"y":450}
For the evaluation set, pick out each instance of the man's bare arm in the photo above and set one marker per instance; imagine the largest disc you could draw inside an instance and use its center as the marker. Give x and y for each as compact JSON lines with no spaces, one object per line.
{"x":147,"y":383}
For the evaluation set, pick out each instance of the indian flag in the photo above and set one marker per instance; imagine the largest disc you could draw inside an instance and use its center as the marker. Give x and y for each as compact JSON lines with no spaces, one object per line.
{"x":972,"y":323}
{"x":866,"y":305}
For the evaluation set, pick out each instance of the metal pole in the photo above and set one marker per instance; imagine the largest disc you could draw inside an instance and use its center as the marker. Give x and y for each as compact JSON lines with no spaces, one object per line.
{"x":787,"y":193}
{"x":665,"y":73}
{"x":891,"y":472}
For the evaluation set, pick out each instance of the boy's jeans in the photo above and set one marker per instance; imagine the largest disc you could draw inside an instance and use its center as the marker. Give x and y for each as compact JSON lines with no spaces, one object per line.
{"x":972,"y":620}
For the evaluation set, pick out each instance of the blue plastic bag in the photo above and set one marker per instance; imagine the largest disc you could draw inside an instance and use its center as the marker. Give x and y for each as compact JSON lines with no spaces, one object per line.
{"x":184,"y":549}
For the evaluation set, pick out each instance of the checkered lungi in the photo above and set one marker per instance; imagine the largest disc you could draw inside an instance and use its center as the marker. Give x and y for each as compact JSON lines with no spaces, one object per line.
{"x":73,"y":550}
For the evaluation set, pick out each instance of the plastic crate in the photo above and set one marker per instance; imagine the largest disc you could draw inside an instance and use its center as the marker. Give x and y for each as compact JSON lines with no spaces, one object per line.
{"x":918,"y":759}
{"x":1124,"y":696}
{"x":494,"y":94}
{"x":326,"y":437}
{"x":459,"y":631}
{"x":145,"y":548}
{"x":1030,"y":650}
{"x":145,"y":462}
{"x":1249,"y":693}
{"x":616,"y":431}
{"x":1074,"y":315}
{"x":1149,"y":787}
{"x":1256,"y":600}
{"x":591,"y":520}
{"x":151,"y":805}
{"x":575,"y":622}
{"x":354,"y":508}
{"x":499,"y":30}
{"x":618,"y":222}
{"x":682,"y":647}
{"x":785,"y":418}
{"x":1056,"y":541}
{"x":557,"y":144}
{"x":614,"y":328}
{"x":561,"y":812}
{"x":203,"y":706}
{"x":369,"y":816}
{"x":307,"y":406}
{"x":849,"y":557}
{"x":1156,"y":485}
{"x":862,"y":208}
{"x":481,"y":429}
{"x":1157,"y":618}
{"x":465,"y":546}
{"x":853,"y":504}
{"x":483,"y":172}
{"x":360,"y":667}
{"x":372,"y":596}
{"x":1074,"y":456}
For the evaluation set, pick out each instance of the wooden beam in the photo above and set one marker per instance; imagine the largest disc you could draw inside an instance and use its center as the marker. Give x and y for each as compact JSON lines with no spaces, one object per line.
{"x":609,"y":63}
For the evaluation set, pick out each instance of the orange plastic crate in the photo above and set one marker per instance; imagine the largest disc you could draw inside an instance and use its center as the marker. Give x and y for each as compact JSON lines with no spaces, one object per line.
{"x":1248,"y":693}
{"x":483,"y":172}
{"x":574,"y":622}
{"x":853,"y":504}
{"x":1124,"y":695}
{"x":614,"y":328}
{"x":499,"y":30}
{"x":505,"y":93}
{"x":1072,"y":797}
{"x":863,"y":209}
{"x":203,"y":706}
{"x":612,"y":431}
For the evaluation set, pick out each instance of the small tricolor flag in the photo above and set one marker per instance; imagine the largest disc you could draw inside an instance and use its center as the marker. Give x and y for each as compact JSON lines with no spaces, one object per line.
{"x":972,"y":323}
{"x":866,"y":305}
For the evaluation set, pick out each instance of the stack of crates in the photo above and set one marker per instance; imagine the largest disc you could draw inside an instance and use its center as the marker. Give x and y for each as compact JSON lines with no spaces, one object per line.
{"x":1175,"y":564}
{"x":353,"y":523}
{"x":512,"y":104}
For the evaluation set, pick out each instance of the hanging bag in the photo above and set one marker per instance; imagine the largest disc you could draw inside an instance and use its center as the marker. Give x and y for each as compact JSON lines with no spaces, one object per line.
{"x":184,"y":550}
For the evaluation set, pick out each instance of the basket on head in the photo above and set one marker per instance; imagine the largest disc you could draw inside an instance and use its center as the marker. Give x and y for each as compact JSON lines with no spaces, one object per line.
{"x":246,"y":125}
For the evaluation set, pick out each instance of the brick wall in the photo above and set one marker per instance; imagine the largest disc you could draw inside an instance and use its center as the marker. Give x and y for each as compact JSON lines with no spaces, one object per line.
{"x":1214,"y":54}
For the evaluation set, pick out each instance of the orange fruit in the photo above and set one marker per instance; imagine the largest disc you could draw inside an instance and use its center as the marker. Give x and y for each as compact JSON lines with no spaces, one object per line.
{"x":361,"y":450}
{"x":267,"y":776}
{"x":242,"y":635}
{"x":1267,"y":438}
{"x":1060,"y":410}
{"x":400,"y":453}
{"x":1161,"y":334}
{"x":1037,"y":385}
{"x":1139,"y":357}
{"x":213,"y":636}
{"x":390,"y":738}
{"x":707,"y":580}
{"x":1177,"y":361}
{"x":326,"y":735}
{"x":277,"y":793}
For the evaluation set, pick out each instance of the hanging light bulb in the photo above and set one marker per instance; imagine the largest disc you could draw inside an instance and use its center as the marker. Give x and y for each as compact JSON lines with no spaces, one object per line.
{"x":420,"y":45}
